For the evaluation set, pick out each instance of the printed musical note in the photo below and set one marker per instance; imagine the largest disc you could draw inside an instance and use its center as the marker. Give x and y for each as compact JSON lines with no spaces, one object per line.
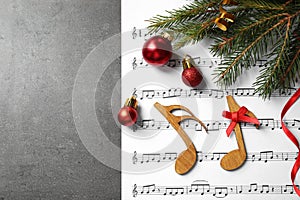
{"x":268,"y":122}
{"x":218,"y":94}
{"x":253,"y":187}
{"x":140,"y":34}
{"x":296,"y":123}
{"x":148,"y":188}
{"x":265,"y":123}
{"x":239,"y":189}
{"x":266,"y":155}
{"x":148,"y":94}
{"x":219,"y":191}
{"x":174,"y":191}
{"x":170,"y":156}
{"x":173,"y":92}
{"x":262,"y":156}
{"x":198,"y":127}
{"x":260,"y":63}
{"x":244,"y":92}
{"x":201,"y":62}
{"x":287,"y":92}
{"x":265,"y":189}
{"x":205,"y":93}
{"x":143,"y":62}
{"x":176,"y":62}
{"x":147,"y":123}
{"x":201,"y":187}
{"x":194,"y":93}
{"x":198,"y":60}
{"x":288,"y":189}
{"x":150,"y":157}
{"x":216,"y":156}
{"x":148,"y":35}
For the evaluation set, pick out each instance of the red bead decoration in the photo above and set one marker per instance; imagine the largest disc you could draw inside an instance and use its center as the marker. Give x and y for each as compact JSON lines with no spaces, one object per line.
{"x":128,"y":115}
{"x":190,"y":75}
{"x":157,"y":50}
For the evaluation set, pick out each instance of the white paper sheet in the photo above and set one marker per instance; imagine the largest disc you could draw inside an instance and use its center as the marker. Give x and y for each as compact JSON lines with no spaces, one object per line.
{"x":150,"y":148}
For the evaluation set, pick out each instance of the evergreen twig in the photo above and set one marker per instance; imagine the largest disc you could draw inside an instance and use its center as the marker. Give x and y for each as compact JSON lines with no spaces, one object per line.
{"x":262,"y":28}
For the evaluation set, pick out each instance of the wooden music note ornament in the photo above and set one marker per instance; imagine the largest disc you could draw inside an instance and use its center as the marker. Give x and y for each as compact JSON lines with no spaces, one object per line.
{"x":236,"y":158}
{"x":186,"y":159}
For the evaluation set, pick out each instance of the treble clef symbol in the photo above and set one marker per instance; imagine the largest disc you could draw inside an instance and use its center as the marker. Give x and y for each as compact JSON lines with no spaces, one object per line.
{"x":134,"y":34}
{"x":134,"y":63}
{"x":134,"y":191}
{"x":134,"y":158}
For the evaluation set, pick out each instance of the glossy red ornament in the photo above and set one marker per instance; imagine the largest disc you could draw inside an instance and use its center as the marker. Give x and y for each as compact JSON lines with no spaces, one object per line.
{"x":128,"y":115}
{"x":190,"y":75}
{"x":157,"y":50}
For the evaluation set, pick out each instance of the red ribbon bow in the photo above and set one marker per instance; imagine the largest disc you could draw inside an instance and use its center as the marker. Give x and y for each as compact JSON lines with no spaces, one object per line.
{"x":296,"y":166}
{"x":239,"y":116}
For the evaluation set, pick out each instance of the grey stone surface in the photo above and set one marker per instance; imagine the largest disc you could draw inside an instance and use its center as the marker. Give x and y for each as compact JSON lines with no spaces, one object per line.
{"x":42,"y":44}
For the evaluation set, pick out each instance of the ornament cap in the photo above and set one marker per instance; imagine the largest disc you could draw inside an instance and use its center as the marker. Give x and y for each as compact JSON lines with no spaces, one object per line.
{"x":131,"y":102}
{"x":168,"y":36}
{"x":187,"y":62}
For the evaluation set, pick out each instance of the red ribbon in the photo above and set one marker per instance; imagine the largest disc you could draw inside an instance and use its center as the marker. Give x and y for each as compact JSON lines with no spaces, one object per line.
{"x":296,"y":166}
{"x":239,"y":116}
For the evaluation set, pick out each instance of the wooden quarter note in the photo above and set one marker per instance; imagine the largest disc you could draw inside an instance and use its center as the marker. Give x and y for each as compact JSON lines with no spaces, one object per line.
{"x":236,"y":158}
{"x":186,"y":159}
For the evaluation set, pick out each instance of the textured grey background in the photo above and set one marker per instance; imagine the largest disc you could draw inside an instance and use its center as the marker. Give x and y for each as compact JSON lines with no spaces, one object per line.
{"x":43,"y":44}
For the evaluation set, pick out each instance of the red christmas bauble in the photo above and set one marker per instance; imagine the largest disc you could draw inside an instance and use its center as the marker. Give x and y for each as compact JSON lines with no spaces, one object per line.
{"x":127,"y":116}
{"x":191,"y":77}
{"x":157,"y":50}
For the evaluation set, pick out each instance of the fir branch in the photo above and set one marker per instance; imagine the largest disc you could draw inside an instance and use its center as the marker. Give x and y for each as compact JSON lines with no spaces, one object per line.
{"x":279,"y":58}
{"x":258,"y":25}
{"x":192,"y":36}
{"x":290,"y":67}
{"x":191,"y":11}
{"x":272,"y":77}
{"x":216,"y":48}
{"x":238,"y":58}
{"x":262,"y":5}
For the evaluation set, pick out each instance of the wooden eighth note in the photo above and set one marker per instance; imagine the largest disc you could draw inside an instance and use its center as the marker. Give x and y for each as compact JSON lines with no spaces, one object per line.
{"x":186,"y":159}
{"x":236,"y":158}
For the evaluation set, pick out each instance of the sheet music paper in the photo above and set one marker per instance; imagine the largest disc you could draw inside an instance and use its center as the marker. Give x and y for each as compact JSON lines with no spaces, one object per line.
{"x":150,"y":148}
